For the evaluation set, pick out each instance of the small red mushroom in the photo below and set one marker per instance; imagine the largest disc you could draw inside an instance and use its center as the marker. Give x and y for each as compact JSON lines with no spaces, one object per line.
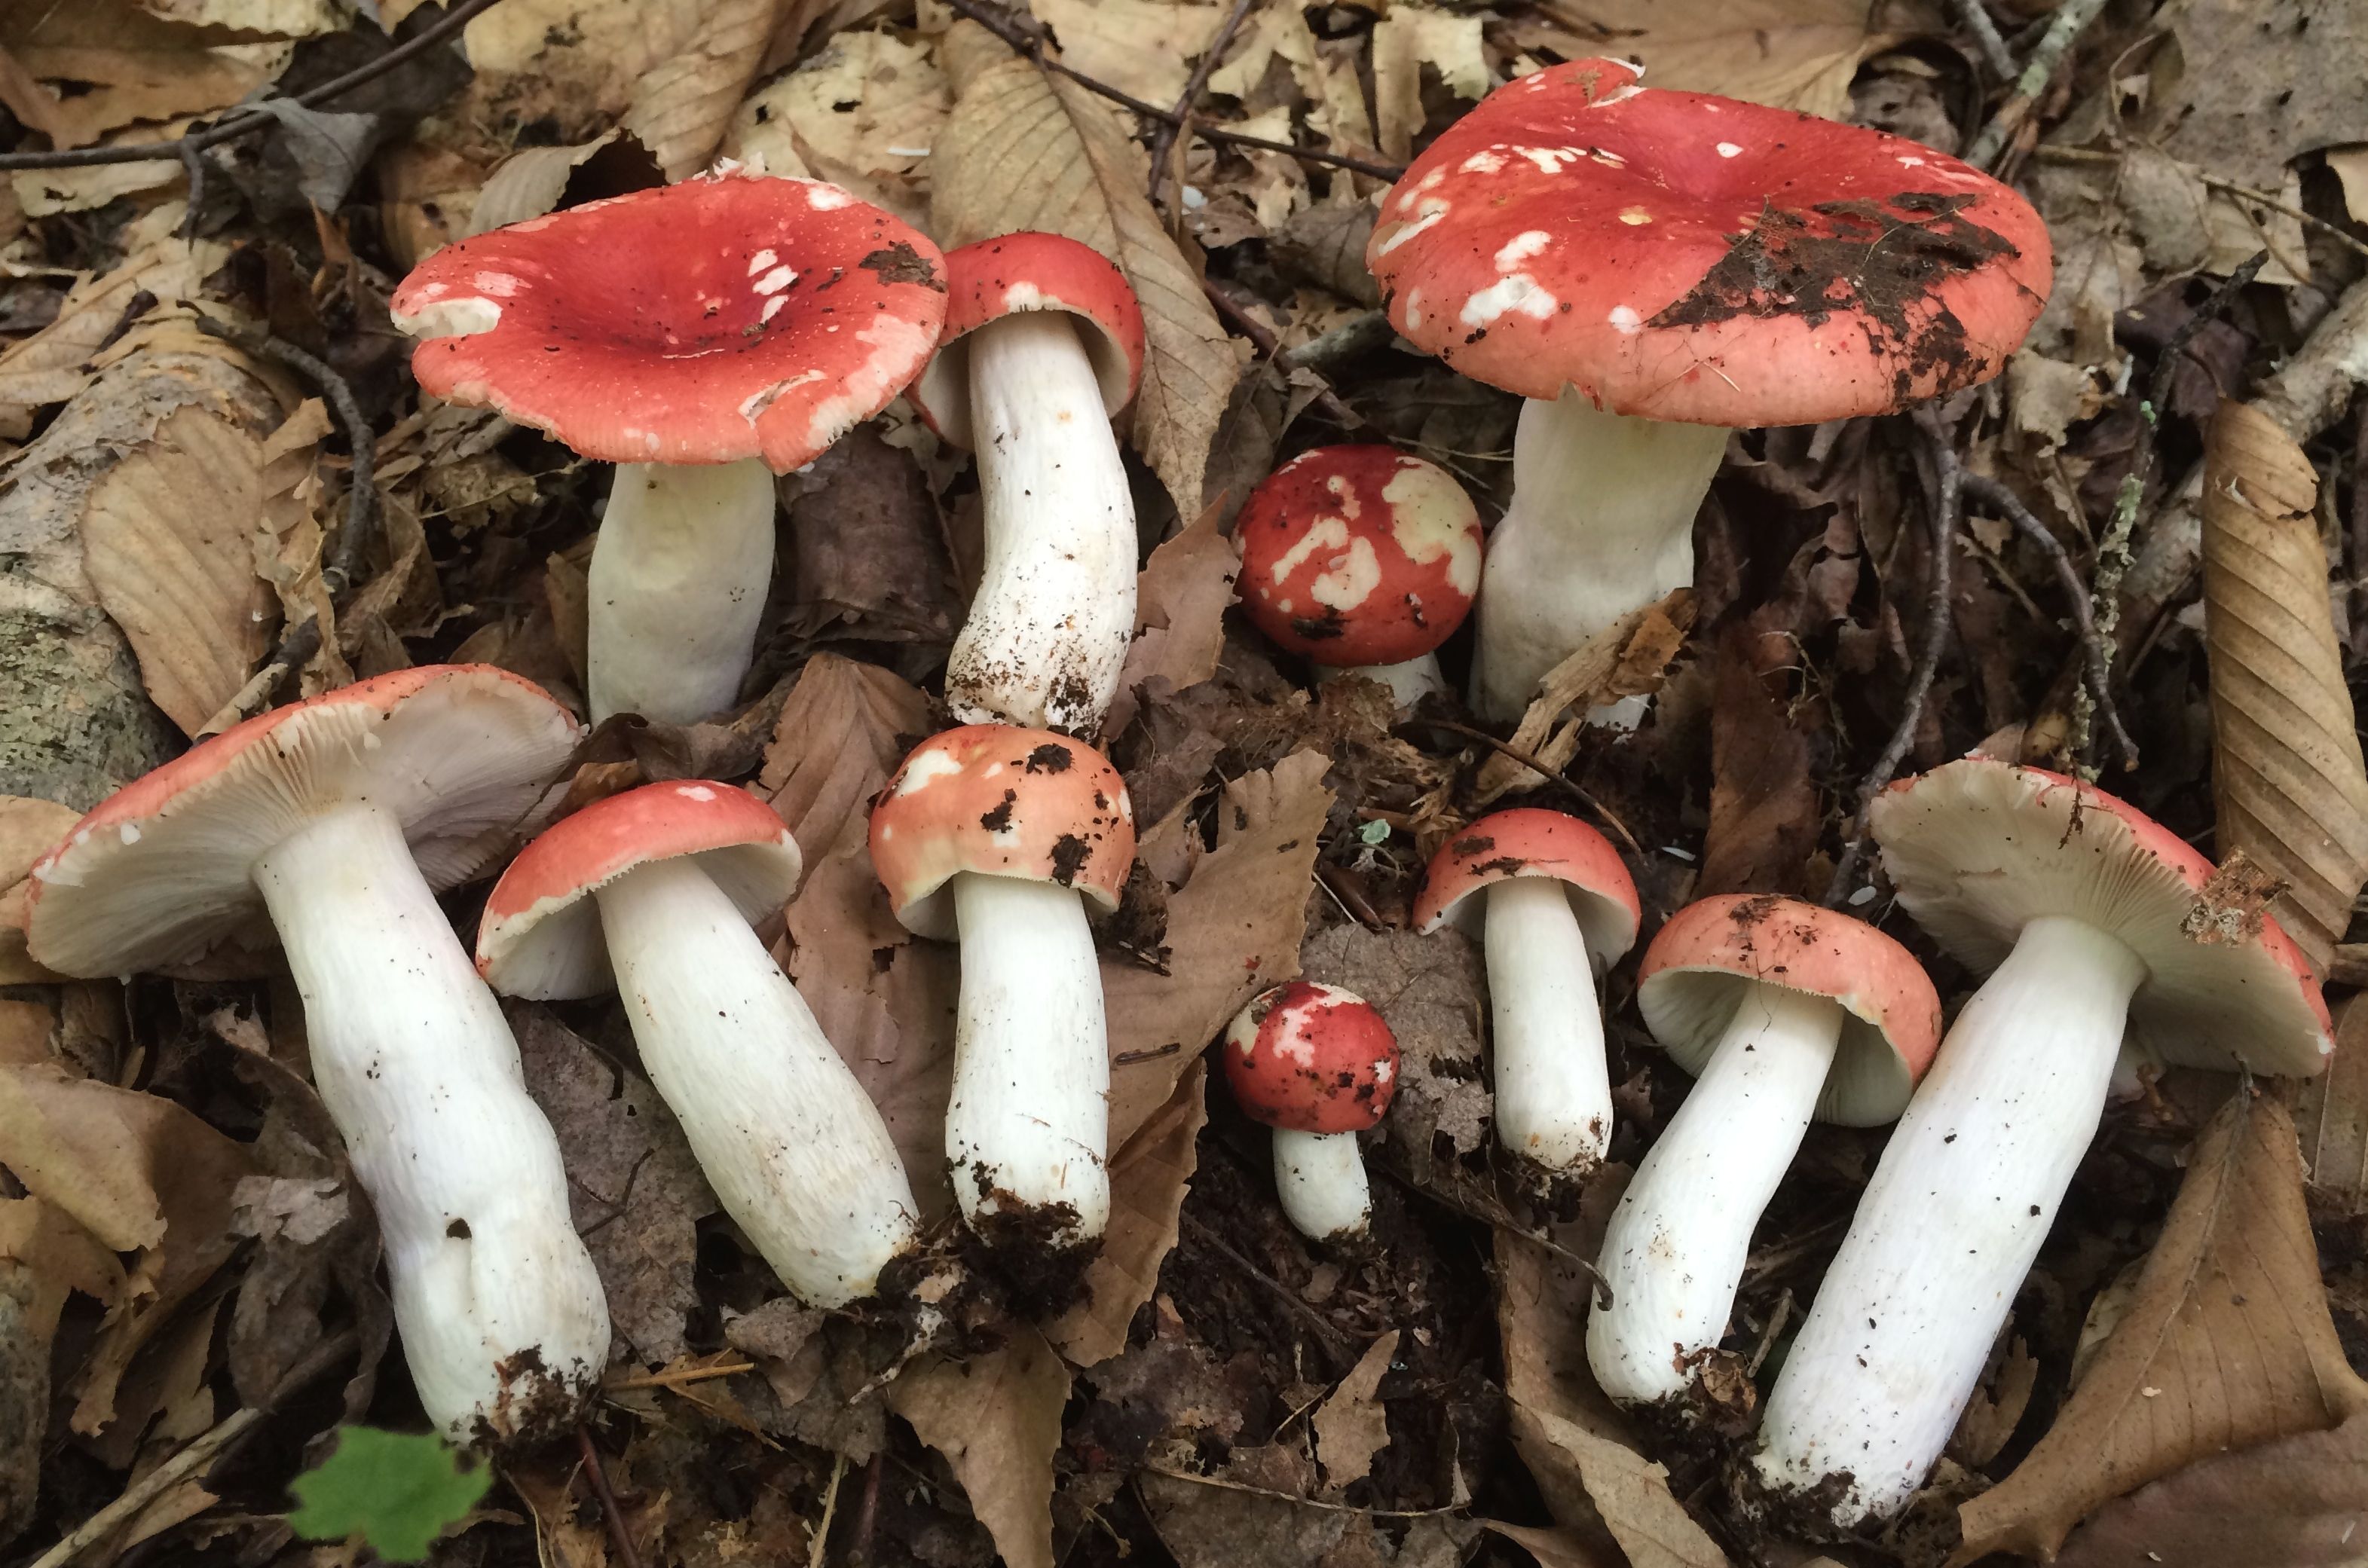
{"x":999,"y":838}
{"x":1558,"y":909}
{"x":1042,"y":347}
{"x":1650,"y":268}
{"x":1362,"y":559}
{"x":702,"y":337}
{"x":1319,"y":1065}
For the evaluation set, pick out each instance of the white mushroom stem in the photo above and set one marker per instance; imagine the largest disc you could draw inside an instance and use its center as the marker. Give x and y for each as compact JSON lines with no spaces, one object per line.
{"x":1947,"y":1229}
{"x":1049,"y":626}
{"x":678,"y":578}
{"x":1409,"y":682}
{"x":1320,"y":1177}
{"x":796,"y":1152}
{"x":1675,"y":1249}
{"x":1601,"y":525}
{"x":1027,"y":1131}
{"x":503,"y":1321}
{"x":1554,"y":1088}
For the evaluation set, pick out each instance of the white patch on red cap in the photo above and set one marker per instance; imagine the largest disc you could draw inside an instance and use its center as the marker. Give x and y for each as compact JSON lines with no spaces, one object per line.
{"x":500,"y":285}
{"x":1350,"y":579}
{"x":1519,"y":292}
{"x":1428,"y":513}
{"x":1549,"y":160}
{"x":1488,"y":161}
{"x":895,"y":342}
{"x":925,"y":769}
{"x":1729,"y":150}
{"x":1434,"y":209}
{"x":753,"y":407}
{"x":1625,"y":319}
{"x":827,"y":197}
{"x":1909,"y":161}
{"x":1325,"y":533}
{"x":694,"y":792}
{"x":773,"y":283}
{"x":763,"y":259}
{"x":1617,"y":96}
{"x":1520,"y":247}
{"x":1413,"y":309}
{"x":1633,"y":216}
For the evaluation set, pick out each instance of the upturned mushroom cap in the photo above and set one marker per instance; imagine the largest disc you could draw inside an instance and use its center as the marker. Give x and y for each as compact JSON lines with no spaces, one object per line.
{"x":1000,"y":802}
{"x":463,"y":755}
{"x":1978,"y":849}
{"x":1016,"y":273}
{"x":731,"y":316}
{"x":1311,"y":1058}
{"x":540,"y":936}
{"x":1358,"y":555}
{"x":1700,"y":966}
{"x":1679,"y":256}
{"x":1529,"y":842}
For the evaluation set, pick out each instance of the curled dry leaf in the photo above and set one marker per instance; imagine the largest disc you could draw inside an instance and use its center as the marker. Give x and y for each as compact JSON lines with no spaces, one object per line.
{"x":1179,"y":616}
{"x":1143,"y":47}
{"x":1628,"y":658}
{"x":2286,"y":771}
{"x":1149,"y":1177}
{"x":538,"y":180}
{"x":1025,"y":150}
{"x":1407,"y":39}
{"x":864,"y":113}
{"x":1350,"y":1426}
{"x":2301,"y":1502}
{"x":99,"y":65}
{"x":2227,"y":1343}
{"x":842,"y":731}
{"x":54,"y":363}
{"x":1432,"y":991}
{"x":1793,"y":53}
{"x":997,"y":1419}
{"x":28,"y":830}
{"x":1764,"y":810}
{"x":2333,"y":1117}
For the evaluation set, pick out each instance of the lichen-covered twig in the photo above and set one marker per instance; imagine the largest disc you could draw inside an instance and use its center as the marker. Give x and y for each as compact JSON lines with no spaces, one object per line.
{"x":2040,"y":70}
{"x":1977,"y":18}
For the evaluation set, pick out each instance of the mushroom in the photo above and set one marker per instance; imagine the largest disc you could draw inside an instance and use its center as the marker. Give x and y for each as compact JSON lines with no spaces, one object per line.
{"x":702,"y":337}
{"x":1782,"y":1011}
{"x":331,"y":823}
{"x":653,"y":892}
{"x":1650,"y":268}
{"x":1560,"y":909}
{"x":1319,"y":1065}
{"x":1042,"y":347}
{"x":2099,"y":928}
{"x":1362,"y":559}
{"x":1000,"y":838}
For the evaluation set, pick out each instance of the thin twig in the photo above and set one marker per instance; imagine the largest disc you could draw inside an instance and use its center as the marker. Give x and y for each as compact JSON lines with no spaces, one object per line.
{"x":361,"y":491}
{"x":598,"y":1475}
{"x":1358,"y":334}
{"x":1535,"y":765}
{"x":1219,"y":1480}
{"x":1977,"y":21}
{"x":676,"y":1379}
{"x":1262,"y":338}
{"x":829,"y":1510}
{"x":867,"y":1516}
{"x":184,"y":147}
{"x":1948,"y":481}
{"x":1291,"y":1298}
{"x":1029,"y":39}
{"x":1777,"y":1315}
{"x":2040,"y":70}
{"x":1194,"y":85}
{"x":2334,"y":232}
{"x":2097,"y":651}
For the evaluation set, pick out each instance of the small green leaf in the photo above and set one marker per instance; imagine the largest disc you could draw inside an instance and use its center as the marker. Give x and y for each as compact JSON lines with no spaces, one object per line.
{"x":1373,"y":833}
{"x":396,"y":1490}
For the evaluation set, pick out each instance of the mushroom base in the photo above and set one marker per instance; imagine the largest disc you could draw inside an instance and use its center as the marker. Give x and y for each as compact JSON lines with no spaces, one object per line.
{"x":1320,"y":1177}
{"x":679,"y":577}
{"x":1048,"y":630}
{"x":1674,"y":1252}
{"x":1409,"y":682}
{"x":503,"y":1320}
{"x":1964,"y":1196}
{"x":1554,"y":1088}
{"x":1601,"y":525}
{"x":797,"y":1154}
{"x":1028,"y":1127}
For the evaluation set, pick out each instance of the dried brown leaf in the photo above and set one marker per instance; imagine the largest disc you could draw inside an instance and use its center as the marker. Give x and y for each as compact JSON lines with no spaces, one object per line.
{"x":1793,"y":53}
{"x":55,"y":363}
{"x":1407,"y":39}
{"x":997,"y":1419}
{"x":530,"y":183}
{"x":1432,"y":991}
{"x":1149,"y":1177}
{"x":1143,"y":47}
{"x":843,"y":730}
{"x":167,"y":540}
{"x":1179,"y":616}
{"x":124,"y":66}
{"x":2333,"y":1118}
{"x":1024,"y":150}
{"x":1764,"y":812}
{"x":1628,"y":658}
{"x":1350,"y":1426}
{"x":28,"y":829}
{"x":2301,"y":1502}
{"x":2286,"y":771}
{"x":2227,"y":1343}
{"x":2288,"y":83}
{"x":1259,"y":1510}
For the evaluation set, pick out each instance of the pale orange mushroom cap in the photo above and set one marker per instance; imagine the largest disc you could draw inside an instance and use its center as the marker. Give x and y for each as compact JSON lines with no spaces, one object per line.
{"x":540,"y":936}
{"x":998,"y":800}
{"x":1699,"y":968}
{"x":1531,"y":842}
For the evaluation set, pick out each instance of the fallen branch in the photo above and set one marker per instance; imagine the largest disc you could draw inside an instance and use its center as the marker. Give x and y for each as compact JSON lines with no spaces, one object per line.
{"x":1194,"y":85}
{"x":2070,"y":19}
{"x":595,"y":1473}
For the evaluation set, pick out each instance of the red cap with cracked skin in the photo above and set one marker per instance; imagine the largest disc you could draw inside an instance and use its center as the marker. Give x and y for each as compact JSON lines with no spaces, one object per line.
{"x":463,"y":755}
{"x":1000,"y":802}
{"x":1310,"y":1058}
{"x":1014,"y":273}
{"x":1679,"y":256}
{"x":1358,"y":555}
{"x":540,"y":935}
{"x":1700,"y":966}
{"x":1978,"y":848}
{"x":1531,"y":841}
{"x":731,"y":316}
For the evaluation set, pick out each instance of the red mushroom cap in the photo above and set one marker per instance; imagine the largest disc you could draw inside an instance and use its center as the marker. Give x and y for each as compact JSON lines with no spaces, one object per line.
{"x":1358,"y":555}
{"x":1001,"y":802}
{"x":730,"y":316}
{"x":1978,"y":849}
{"x":464,"y":755}
{"x":1529,"y":842}
{"x":1015,"y":273}
{"x":1311,"y":1058}
{"x":540,"y":935}
{"x":1700,"y":966}
{"x":1679,"y":256}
